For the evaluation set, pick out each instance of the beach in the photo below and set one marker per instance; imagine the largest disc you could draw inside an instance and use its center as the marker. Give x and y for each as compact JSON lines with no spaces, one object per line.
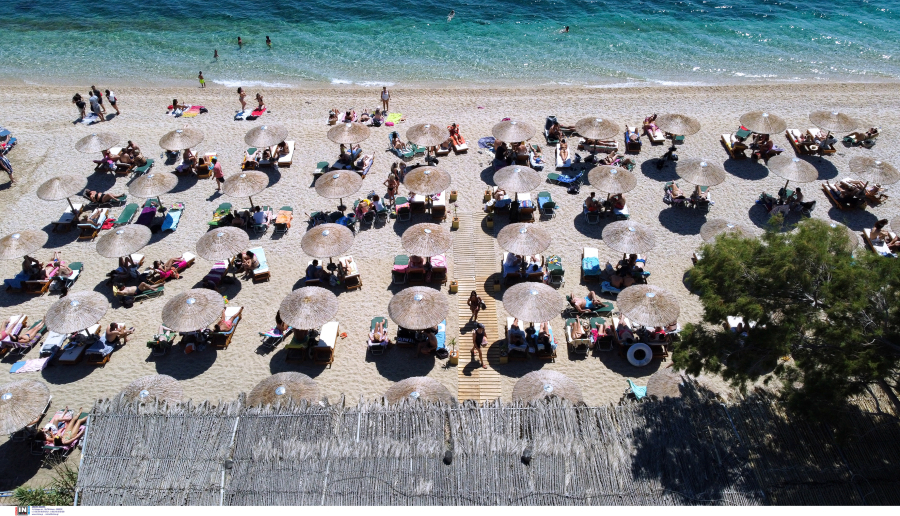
{"x":45,"y":129}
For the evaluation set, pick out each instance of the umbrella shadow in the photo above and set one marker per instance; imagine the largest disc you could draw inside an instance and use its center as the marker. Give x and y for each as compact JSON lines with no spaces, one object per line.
{"x":17,"y":464}
{"x":519,"y":368}
{"x":184,"y":184}
{"x":402,"y":225}
{"x":401,"y":363}
{"x":279,"y":364}
{"x":274,"y":175}
{"x":487,"y":175}
{"x":488,"y":286}
{"x":184,"y":367}
{"x":100,"y":182}
{"x":857,"y":220}
{"x":759,"y":216}
{"x":682,"y":220}
{"x":748,"y":169}
{"x":594,"y":231}
{"x":825,"y":167}
{"x":666,"y":173}
{"x":64,"y":374}
{"x":60,"y":239}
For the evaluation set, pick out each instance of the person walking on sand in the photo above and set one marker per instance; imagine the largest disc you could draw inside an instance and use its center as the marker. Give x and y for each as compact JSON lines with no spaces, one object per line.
{"x":201,"y":79}
{"x":78,"y":100}
{"x":385,"y":98}
{"x":7,"y":167}
{"x":99,"y":95}
{"x":113,"y":101}
{"x":95,"y":106}
{"x":217,"y":173}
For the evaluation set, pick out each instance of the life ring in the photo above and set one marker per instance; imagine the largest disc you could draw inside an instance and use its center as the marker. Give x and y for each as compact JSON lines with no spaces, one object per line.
{"x":639,"y":350}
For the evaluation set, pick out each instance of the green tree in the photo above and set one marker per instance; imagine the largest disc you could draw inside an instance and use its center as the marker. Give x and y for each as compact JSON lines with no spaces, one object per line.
{"x":827,"y":323}
{"x":59,"y":492}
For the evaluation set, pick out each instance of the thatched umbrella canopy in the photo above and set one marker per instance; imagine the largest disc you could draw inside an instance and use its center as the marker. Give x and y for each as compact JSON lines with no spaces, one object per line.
{"x":513,"y":131}
{"x":524,"y":239}
{"x":418,"y":308}
{"x":597,"y":128}
{"x":246,"y":183}
{"x":792,"y":168}
{"x":665,"y":383}
{"x":193,"y":310}
{"x":97,"y":142}
{"x":612,"y":180}
{"x":338,"y":184}
{"x":76,"y":311}
{"x":517,"y":178}
{"x":348,"y":133}
{"x":426,"y":239}
{"x":649,"y":305}
{"x":21,"y":243}
{"x":427,"y":135}
{"x":715,"y":227}
{"x":700,"y":172}
{"x":181,"y":139}
{"x":418,"y":388}
{"x":426,"y":180}
{"x":62,"y":187}
{"x":537,"y":385}
{"x":533,"y":301}
{"x":763,"y":122}
{"x":327,"y":240}
{"x":874,"y":170}
{"x":308,"y":308}
{"x":222,"y":243}
{"x":284,"y":388}
{"x":676,"y":123}
{"x":153,"y":387}
{"x":626,"y":236}
{"x":833,"y":121}
{"x":153,"y":184}
{"x":21,"y":402}
{"x":125,"y":240}
{"x":266,"y":135}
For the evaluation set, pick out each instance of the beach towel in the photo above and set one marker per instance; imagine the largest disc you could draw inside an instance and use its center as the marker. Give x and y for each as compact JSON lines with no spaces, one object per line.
{"x":29,"y":366}
{"x":590,"y":265}
{"x":441,"y":335}
{"x":394,"y":118}
{"x":256,"y":113}
{"x":146,"y":217}
{"x":191,"y":111}
{"x":242,"y":115}
{"x":108,"y":224}
{"x":173,"y":217}
{"x":90,"y":119}
{"x":486,"y":143}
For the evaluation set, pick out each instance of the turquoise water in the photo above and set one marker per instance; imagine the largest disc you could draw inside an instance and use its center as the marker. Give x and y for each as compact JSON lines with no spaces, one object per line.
{"x":487,"y":42}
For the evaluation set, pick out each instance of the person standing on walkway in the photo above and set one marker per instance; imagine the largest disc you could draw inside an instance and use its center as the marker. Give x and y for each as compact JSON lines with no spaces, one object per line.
{"x":474,"y":303}
{"x":113,"y":101}
{"x":479,"y":339}
{"x":201,"y":79}
{"x":385,"y":98}
{"x":217,"y":173}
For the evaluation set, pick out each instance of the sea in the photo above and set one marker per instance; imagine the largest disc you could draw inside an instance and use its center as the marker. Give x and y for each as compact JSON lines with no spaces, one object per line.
{"x":418,"y":44}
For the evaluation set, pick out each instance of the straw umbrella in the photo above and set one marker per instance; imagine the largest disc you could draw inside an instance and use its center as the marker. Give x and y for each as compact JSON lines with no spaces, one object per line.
{"x":62,"y":187}
{"x":426,"y":239}
{"x":153,"y":184}
{"x":612,"y":180}
{"x":597,"y":128}
{"x":700,"y":172}
{"x":418,"y":308}
{"x":763,"y":122}
{"x":245,"y":184}
{"x":792,"y":169}
{"x":157,"y":387}
{"x":308,"y":307}
{"x":21,"y":402}
{"x":123,"y":241}
{"x":513,"y":131}
{"x":678,"y":124}
{"x":874,"y":170}
{"x":327,"y":240}
{"x":193,"y":310}
{"x":426,"y":180}
{"x":97,"y":142}
{"x":665,"y":383}
{"x":338,"y":184}
{"x":222,"y":243}
{"x":76,"y":311}
{"x":628,"y":237}
{"x":348,"y":133}
{"x":524,"y":239}
{"x":532,"y":301}
{"x":833,"y":121}
{"x":427,"y":135}
{"x":537,"y":385}
{"x":21,"y":243}
{"x":284,"y":389}
{"x":715,"y":227}
{"x":181,"y":139}
{"x":418,"y":388}
{"x":517,"y":179}
{"x":266,"y":135}
{"x":649,"y":305}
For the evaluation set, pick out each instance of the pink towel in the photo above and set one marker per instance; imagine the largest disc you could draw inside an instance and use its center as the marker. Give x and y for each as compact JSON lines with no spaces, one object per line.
{"x":32,"y":366}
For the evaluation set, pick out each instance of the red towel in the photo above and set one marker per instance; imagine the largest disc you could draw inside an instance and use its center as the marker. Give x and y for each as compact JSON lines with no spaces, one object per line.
{"x":109,"y":224}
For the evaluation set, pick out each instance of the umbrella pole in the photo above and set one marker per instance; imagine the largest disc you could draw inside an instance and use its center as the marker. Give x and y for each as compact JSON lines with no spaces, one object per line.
{"x":341,"y":207}
{"x":251,"y":202}
{"x":74,"y":211}
{"x":786,"y":183}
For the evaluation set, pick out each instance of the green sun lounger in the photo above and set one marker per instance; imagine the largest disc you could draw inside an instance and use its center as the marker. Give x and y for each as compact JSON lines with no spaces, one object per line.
{"x":144,"y":168}
{"x":221,"y":211}
{"x":127,"y":214}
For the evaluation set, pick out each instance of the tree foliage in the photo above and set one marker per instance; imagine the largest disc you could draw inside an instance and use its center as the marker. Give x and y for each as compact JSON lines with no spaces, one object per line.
{"x":826,"y":321}
{"x":59,"y":492}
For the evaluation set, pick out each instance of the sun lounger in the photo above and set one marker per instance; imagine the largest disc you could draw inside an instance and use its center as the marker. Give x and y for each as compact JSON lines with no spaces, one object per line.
{"x":795,"y":137}
{"x":349,"y":272}
{"x":260,"y":273}
{"x":516,"y":351}
{"x":579,"y":346}
{"x":321,"y":168}
{"x":406,"y":153}
{"x":214,"y":277}
{"x":323,"y":351}
{"x":635,"y":146}
{"x":656,"y":137}
{"x":401,"y":265}
{"x":878,"y":246}
{"x":90,"y":231}
{"x":143,"y":169}
{"x":283,"y":220}
{"x":126,"y":215}
{"x":459,"y":143}
{"x":601,"y":146}
{"x":222,"y":339}
{"x":18,"y":322}
{"x":223,"y":210}
{"x":205,"y":165}
{"x":823,"y":149}
{"x":173,"y":217}
{"x":116,"y":201}
{"x":58,"y":453}
{"x":539,"y":350}
{"x":52,"y":343}
{"x":590,"y":264}
{"x":288,"y":159}
{"x":546,"y":206}
{"x":509,"y":271}
{"x":73,"y":353}
{"x":728,"y":141}
{"x":378,"y":348}
{"x":68,"y":217}
{"x":298,"y":348}
{"x":99,"y":352}
{"x":22,"y":348}
{"x":560,"y":163}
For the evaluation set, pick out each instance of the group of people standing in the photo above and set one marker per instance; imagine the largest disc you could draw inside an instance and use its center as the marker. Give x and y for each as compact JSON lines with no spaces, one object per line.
{"x":95,"y":99}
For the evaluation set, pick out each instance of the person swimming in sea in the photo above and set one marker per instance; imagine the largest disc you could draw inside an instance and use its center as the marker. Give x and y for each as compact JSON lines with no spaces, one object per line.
{"x":216,"y":53}
{"x":240,"y":42}
{"x":268,"y":42}
{"x":451,"y":15}
{"x":564,"y":30}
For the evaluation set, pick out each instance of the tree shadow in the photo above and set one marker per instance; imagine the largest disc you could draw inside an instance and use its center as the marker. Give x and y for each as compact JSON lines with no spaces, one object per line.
{"x":184,"y":367}
{"x":17,"y":464}
{"x":682,"y":220}
{"x":748,"y":169}
{"x":857,"y":220}
{"x":667,"y":173}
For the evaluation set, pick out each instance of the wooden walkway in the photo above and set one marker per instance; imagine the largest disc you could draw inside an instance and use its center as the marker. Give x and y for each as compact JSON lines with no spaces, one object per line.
{"x":475,"y":260}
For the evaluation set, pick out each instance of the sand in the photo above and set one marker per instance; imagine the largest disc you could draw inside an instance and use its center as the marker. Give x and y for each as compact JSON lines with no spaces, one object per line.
{"x":42,"y":119}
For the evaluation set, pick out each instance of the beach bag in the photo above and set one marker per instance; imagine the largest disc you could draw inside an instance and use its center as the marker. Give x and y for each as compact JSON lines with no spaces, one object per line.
{"x":127,"y":301}
{"x":481,"y":305}
{"x":574,"y":188}
{"x":442,"y":353}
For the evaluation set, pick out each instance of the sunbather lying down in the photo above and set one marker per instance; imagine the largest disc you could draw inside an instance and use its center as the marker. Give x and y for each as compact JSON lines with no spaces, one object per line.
{"x":62,"y":430}
{"x":122,"y":290}
{"x":22,"y":338}
{"x":585,"y":304}
{"x":378,"y":337}
{"x":95,"y":196}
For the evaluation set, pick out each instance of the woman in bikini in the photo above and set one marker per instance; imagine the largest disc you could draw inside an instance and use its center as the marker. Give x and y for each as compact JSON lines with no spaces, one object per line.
{"x":479,"y":339}
{"x":259,"y":99}
{"x":392,"y":184}
{"x":242,"y":98}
